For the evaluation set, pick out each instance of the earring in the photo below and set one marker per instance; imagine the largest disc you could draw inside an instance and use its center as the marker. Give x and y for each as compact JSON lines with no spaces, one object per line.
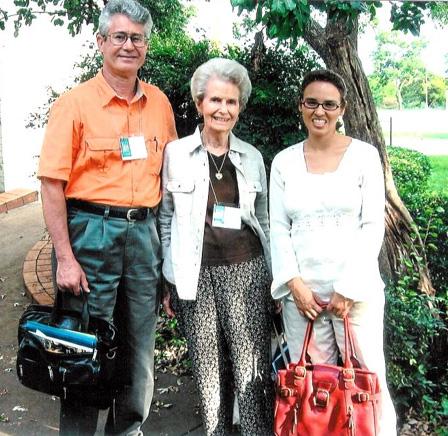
{"x":340,"y":125}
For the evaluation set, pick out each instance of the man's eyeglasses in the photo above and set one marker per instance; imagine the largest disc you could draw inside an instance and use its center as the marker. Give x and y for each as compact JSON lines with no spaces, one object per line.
{"x":120,"y":38}
{"x":328,"y":105}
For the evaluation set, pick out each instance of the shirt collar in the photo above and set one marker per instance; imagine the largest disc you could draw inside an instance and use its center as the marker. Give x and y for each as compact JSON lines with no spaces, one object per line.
{"x":196,"y":141}
{"x":107,"y":93}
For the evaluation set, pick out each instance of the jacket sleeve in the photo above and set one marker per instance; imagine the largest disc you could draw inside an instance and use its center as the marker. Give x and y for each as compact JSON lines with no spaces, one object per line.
{"x":360,"y":277}
{"x":261,"y":201}
{"x":166,"y":209}
{"x":284,"y":264}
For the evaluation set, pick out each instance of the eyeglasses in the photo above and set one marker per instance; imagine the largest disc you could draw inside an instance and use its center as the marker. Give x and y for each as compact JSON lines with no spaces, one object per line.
{"x":120,"y":38}
{"x":327,"y":105}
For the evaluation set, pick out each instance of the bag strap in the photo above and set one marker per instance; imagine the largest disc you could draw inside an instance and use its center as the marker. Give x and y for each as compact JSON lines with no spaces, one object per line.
{"x":306,"y":343}
{"x":351,"y":342}
{"x":57,"y":304}
{"x":350,"y":352}
{"x":281,"y":342}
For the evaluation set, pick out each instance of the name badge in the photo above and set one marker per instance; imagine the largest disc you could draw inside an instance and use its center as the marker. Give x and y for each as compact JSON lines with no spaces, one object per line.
{"x":133,"y":147}
{"x":226,"y":217}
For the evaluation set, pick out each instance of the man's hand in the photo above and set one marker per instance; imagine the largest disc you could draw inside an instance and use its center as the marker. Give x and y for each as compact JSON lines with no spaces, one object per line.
{"x":166,"y":300}
{"x":339,"y":305}
{"x":70,"y":277}
{"x":304,"y":298}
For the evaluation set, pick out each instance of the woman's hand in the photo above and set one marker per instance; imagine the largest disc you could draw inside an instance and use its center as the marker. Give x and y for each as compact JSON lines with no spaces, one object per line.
{"x":304,"y":298}
{"x":166,"y":300}
{"x":339,"y":305}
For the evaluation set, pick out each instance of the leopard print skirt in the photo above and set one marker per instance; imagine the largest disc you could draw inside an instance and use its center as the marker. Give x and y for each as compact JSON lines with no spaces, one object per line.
{"x":228,"y":329}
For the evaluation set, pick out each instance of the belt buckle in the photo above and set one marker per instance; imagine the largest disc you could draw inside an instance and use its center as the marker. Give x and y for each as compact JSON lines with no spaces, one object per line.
{"x":128,"y":215}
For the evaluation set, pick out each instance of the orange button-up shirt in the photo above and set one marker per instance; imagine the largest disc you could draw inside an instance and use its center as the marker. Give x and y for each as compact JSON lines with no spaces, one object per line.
{"x":82,"y":143}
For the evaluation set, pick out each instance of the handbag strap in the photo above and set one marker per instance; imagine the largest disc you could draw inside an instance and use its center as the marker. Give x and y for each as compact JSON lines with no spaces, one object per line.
{"x":58,"y":309}
{"x":57,"y":304}
{"x":280,"y":342}
{"x":350,"y":351}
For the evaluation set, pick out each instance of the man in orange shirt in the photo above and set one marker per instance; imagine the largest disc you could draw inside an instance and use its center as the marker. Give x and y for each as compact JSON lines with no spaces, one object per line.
{"x":100,"y":173}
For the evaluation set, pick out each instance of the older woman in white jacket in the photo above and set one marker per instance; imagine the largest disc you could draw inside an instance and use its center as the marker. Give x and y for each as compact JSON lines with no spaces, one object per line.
{"x":214,"y":233}
{"x":327,"y":226}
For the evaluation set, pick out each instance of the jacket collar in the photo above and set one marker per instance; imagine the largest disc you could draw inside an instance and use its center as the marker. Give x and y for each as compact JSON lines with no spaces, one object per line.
{"x":235,"y":144}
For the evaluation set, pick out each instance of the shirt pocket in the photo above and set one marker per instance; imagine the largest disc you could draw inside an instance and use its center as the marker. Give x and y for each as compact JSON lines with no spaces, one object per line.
{"x":155,"y":146}
{"x":254,"y":188}
{"x":182,"y":192}
{"x":101,"y":153}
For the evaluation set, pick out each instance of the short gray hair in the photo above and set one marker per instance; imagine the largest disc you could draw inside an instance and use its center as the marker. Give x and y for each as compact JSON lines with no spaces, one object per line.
{"x":131,"y":8}
{"x":224,"y":69}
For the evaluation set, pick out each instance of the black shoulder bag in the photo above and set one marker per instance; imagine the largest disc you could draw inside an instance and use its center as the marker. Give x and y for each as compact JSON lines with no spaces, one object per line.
{"x":68,"y":354}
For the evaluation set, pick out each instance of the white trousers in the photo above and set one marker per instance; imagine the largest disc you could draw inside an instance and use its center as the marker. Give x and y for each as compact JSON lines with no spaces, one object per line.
{"x":366,"y":320}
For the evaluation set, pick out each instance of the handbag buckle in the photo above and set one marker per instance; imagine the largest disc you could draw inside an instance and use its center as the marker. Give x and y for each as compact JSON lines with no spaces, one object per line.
{"x":362,"y":397}
{"x":285,"y":392}
{"x":348,"y":374}
{"x":321,"y":398}
{"x":299,"y":372}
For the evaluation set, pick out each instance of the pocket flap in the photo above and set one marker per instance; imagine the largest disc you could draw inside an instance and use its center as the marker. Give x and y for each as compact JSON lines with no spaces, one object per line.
{"x":254,"y":186}
{"x":180,"y":186}
{"x":102,"y":144}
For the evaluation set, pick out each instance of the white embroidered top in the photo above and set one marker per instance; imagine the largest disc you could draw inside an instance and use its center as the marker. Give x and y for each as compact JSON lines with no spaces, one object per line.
{"x":328,"y":228}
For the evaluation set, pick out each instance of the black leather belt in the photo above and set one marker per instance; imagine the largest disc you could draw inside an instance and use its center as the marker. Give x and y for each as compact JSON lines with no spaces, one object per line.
{"x":126,"y":213}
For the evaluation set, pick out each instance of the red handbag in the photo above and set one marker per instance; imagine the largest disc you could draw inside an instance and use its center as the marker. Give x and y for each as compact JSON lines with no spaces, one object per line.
{"x":327,"y":400}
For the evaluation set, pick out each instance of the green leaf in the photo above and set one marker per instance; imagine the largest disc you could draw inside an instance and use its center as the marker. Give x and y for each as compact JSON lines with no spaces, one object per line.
{"x":278,"y":7}
{"x":290,"y":4}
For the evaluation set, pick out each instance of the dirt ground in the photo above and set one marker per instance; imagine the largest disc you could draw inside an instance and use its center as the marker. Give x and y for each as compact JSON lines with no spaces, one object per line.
{"x":30,"y":413}
{"x":25,"y":412}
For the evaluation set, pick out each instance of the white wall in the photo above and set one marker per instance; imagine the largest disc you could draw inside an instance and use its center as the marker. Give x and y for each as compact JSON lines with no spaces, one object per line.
{"x":42,"y":55}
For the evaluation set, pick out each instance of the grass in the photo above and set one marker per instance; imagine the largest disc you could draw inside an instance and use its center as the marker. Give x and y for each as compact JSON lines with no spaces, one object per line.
{"x":439,"y":174}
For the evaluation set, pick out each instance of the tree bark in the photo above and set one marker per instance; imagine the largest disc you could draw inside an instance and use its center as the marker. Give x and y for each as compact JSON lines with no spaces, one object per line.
{"x":337,"y":46}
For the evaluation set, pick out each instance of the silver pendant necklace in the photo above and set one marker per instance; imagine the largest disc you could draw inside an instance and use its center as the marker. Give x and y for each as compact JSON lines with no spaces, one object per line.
{"x":218,"y":173}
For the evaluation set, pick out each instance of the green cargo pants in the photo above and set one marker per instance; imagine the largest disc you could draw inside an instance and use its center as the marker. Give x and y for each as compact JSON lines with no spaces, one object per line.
{"x":122,"y":261}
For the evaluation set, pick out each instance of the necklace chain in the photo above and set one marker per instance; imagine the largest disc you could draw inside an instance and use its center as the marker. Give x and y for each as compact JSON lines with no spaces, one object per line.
{"x":218,"y":173}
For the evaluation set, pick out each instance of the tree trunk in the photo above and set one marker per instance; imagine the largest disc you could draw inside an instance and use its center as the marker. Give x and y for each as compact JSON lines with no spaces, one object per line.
{"x":337,"y":47}
{"x":399,"y":97}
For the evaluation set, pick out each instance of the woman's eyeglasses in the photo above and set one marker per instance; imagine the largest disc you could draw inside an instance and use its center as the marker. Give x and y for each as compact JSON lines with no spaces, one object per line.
{"x":327,"y":105}
{"x":120,"y":38}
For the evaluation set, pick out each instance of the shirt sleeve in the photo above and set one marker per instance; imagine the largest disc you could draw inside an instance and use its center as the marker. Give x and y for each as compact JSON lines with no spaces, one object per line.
{"x":61,"y":140}
{"x":172,"y":133}
{"x":284,"y":263}
{"x":360,"y":278}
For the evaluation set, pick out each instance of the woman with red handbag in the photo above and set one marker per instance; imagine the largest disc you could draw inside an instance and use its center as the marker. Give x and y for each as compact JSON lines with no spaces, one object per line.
{"x":327,"y":226}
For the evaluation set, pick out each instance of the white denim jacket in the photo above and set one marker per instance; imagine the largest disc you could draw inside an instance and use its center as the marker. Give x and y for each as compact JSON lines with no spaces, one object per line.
{"x":185,"y":180}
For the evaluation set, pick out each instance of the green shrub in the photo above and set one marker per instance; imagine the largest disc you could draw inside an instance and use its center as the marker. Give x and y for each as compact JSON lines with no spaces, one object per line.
{"x":414,"y":328}
{"x":171,"y":348}
{"x":411,"y":171}
{"x":430,"y":213}
{"x":416,"y":324}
